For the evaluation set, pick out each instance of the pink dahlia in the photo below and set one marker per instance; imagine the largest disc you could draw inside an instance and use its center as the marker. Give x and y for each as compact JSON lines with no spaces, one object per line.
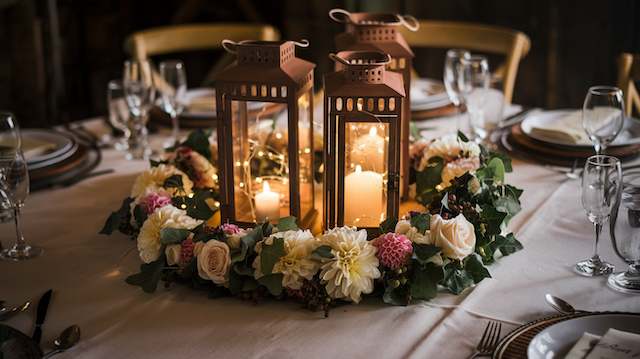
{"x":153,"y":201}
{"x":230,"y":229}
{"x":394,"y":250}
{"x":186,"y":250}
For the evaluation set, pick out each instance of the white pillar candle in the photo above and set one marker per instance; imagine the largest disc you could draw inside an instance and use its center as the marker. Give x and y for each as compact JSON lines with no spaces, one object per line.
{"x":363,"y":202}
{"x":267,"y":204}
{"x":368,"y":151}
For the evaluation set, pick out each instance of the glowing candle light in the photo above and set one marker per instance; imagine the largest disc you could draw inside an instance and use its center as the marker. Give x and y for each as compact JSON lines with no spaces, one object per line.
{"x":364,"y":205}
{"x":267,"y":204}
{"x":368,"y":151}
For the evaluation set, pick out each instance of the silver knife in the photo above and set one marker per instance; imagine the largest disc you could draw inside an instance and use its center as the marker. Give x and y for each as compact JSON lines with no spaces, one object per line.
{"x":43,"y":306}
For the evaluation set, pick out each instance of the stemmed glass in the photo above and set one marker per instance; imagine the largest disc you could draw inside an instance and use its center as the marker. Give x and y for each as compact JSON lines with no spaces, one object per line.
{"x":603,"y":115}
{"x":9,"y":144}
{"x":173,"y":89}
{"x":140,"y":93}
{"x":601,"y":183}
{"x":473,"y":83}
{"x":451,"y":76}
{"x":118,"y":112}
{"x":625,"y":235}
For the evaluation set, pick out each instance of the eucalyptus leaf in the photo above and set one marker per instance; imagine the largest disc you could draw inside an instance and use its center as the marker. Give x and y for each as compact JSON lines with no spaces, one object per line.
{"x":149,"y":276}
{"x":139,"y":215}
{"x":173,"y":235}
{"x":273,"y":283}
{"x":271,"y":254}
{"x":323,"y":251}
{"x":287,"y":224}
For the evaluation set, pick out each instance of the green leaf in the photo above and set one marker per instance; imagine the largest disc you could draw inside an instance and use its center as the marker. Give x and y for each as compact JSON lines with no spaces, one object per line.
{"x":149,"y":276}
{"x":508,"y":205}
{"x":455,"y":279}
{"x":249,"y":285}
{"x":273,"y":283}
{"x":420,"y":221}
{"x":510,"y":245}
{"x":270,"y":255}
{"x":462,"y":137}
{"x":396,"y":296}
{"x":198,"y":141}
{"x":496,"y":166}
{"x":424,"y":281}
{"x":236,"y":282}
{"x":505,"y":160}
{"x":323,"y":252}
{"x":428,"y":179}
{"x":493,"y":219}
{"x":243,"y":269}
{"x":388,"y":225}
{"x":118,"y":218}
{"x":247,"y":244}
{"x":174,"y":181}
{"x":139,"y":215}
{"x":173,"y":235}
{"x":154,"y":163}
{"x":423,"y":252}
{"x":196,"y":205}
{"x":473,"y":266}
{"x":287,"y":224}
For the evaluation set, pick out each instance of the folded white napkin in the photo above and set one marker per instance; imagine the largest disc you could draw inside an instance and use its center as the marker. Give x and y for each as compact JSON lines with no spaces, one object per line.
{"x":567,"y":129}
{"x":583,"y":346}
{"x":616,"y":344}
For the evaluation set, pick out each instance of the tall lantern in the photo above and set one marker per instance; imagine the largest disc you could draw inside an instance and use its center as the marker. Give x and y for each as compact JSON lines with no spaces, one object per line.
{"x":379,"y":32}
{"x":363,"y":107}
{"x":265,"y":148}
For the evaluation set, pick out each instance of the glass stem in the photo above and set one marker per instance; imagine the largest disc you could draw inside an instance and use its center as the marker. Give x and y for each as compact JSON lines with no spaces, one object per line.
{"x":598,"y":147}
{"x":20,"y":243}
{"x":598,"y":228}
{"x":175,"y":131}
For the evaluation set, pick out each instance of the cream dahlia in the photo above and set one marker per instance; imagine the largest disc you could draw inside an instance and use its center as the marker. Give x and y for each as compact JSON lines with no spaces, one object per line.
{"x":353,"y":267}
{"x":152,"y":180}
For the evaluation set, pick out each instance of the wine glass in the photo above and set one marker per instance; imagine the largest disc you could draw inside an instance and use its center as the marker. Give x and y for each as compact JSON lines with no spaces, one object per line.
{"x":450,"y":78}
{"x":601,"y":182}
{"x":603,"y":115}
{"x":10,"y":142}
{"x":473,"y":83}
{"x":140,"y":93}
{"x":624,"y":228}
{"x":173,"y":89}
{"x":118,"y":112}
{"x":14,"y":187}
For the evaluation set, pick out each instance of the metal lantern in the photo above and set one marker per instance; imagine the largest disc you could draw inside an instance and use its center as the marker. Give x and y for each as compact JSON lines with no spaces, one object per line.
{"x":265,"y":133}
{"x":379,"y":32}
{"x":363,"y":108}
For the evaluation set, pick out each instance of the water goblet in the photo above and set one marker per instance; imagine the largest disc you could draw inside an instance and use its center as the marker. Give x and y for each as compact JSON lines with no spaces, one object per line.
{"x":603,"y":115}
{"x":118,"y":112}
{"x":10,"y":142}
{"x":473,"y":83}
{"x":173,"y":90}
{"x":140,"y":93}
{"x":451,"y":75}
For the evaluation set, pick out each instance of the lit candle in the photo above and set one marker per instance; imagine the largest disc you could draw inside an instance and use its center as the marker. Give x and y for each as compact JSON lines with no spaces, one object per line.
{"x":368,"y":151}
{"x":267,"y":204}
{"x":363,"y":202}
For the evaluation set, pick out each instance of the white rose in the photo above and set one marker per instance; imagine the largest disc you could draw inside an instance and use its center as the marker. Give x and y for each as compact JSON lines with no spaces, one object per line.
{"x":173,"y":252}
{"x":456,"y":237}
{"x":214,"y":261}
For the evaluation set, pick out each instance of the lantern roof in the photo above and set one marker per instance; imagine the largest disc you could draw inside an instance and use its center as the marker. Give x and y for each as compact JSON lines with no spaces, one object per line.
{"x":266,"y":62}
{"x":362,"y":73}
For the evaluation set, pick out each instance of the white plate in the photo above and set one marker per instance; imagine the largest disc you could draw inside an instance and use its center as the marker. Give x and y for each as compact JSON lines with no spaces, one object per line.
{"x":558,"y":339}
{"x":427,"y":94}
{"x":629,"y":135}
{"x":41,"y":146}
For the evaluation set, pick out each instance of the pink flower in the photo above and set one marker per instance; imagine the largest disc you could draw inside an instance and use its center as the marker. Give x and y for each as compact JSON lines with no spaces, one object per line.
{"x":394,"y":250}
{"x":230,"y":229}
{"x":153,"y":201}
{"x":186,"y":250}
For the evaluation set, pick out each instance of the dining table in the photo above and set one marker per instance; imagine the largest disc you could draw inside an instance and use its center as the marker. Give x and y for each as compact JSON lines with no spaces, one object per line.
{"x":87,"y":272}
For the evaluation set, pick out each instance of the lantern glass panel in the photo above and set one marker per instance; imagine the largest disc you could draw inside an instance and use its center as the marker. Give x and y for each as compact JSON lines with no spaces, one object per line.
{"x":305,"y":153}
{"x":260,"y":160}
{"x":366,"y":172}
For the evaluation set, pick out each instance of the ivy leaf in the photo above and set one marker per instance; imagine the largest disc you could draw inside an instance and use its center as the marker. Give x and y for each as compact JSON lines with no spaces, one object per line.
{"x":509,"y":245}
{"x":174,"y":181}
{"x":271,"y":254}
{"x":428,"y":179}
{"x":117,"y":218}
{"x":149,"y":276}
{"x":173,"y":235}
{"x":196,"y":205}
{"x":273,"y":283}
{"x":474,"y":267}
{"x":493,"y":219}
{"x":455,"y":279}
{"x":396,"y":296}
{"x":462,"y":137}
{"x":287,"y":224}
{"x":424,"y":281}
{"x":388,"y":225}
{"x":508,"y":205}
{"x":423,"y":252}
{"x":249,"y":285}
{"x":139,"y":215}
{"x":323,"y":252}
{"x":236,"y":282}
{"x":420,"y":221}
{"x":198,"y":141}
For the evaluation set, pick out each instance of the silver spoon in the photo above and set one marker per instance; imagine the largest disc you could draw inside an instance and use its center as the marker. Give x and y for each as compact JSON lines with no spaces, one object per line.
{"x":67,"y":339}
{"x":6,"y":313}
{"x":561,"y":305}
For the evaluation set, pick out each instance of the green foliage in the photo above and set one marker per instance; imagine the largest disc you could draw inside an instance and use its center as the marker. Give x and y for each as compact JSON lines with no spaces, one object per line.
{"x":420,"y":221}
{"x":388,"y":225}
{"x":154,"y":163}
{"x":173,"y":235}
{"x":323,"y":252}
{"x":428,"y":179}
{"x":198,"y":141}
{"x":456,"y":279}
{"x":273,"y":283}
{"x":174,"y":181}
{"x":424,"y":281}
{"x":150,"y":274}
{"x":396,"y":296}
{"x":196,"y":205}
{"x":119,"y":219}
{"x":462,"y":137}
{"x":473,"y":266}
{"x":493,"y":171}
{"x":287,"y":224}
{"x":423,"y":252}
{"x":139,"y":215}
{"x":271,"y":254}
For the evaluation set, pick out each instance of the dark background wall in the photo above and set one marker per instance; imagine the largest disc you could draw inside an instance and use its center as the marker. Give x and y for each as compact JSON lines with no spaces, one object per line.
{"x":56,"y":56}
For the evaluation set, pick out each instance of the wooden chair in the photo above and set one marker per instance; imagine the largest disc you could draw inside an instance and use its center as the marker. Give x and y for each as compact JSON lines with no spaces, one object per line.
{"x":514,"y":45}
{"x":628,"y":72}
{"x":170,"y":39}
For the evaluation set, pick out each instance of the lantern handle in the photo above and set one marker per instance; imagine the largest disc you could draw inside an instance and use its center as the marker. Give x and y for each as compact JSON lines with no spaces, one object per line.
{"x":339,"y":59}
{"x":302,"y":43}
{"x":410,"y":22}
{"x":229,"y":46}
{"x":340,"y":16}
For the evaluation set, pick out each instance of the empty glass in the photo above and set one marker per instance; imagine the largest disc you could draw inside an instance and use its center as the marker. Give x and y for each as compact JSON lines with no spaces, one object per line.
{"x":10,"y":142}
{"x":140,"y":93}
{"x":451,"y":76}
{"x":473,"y":83}
{"x":173,"y":89}
{"x":625,"y":235}
{"x":118,"y":112}
{"x":14,"y":188}
{"x":603,"y":115}
{"x":601,"y":183}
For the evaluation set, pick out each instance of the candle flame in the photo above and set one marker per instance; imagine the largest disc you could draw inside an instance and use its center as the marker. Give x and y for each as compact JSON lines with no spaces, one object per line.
{"x":373,"y":131}
{"x":358,"y":169}
{"x":265,"y":187}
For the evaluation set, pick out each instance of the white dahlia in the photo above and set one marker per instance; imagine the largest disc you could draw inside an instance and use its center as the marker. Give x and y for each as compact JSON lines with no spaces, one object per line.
{"x":149,"y":236}
{"x":152,"y":180}
{"x":354,"y":265}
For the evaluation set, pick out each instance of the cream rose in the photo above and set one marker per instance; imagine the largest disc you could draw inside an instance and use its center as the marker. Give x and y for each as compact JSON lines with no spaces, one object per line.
{"x":173,"y":252}
{"x":456,"y":237}
{"x":404,"y":227}
{"x":214,"y":261}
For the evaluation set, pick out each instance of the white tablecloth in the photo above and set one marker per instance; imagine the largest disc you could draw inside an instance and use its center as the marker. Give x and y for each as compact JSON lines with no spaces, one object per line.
{"x":87,"y":271}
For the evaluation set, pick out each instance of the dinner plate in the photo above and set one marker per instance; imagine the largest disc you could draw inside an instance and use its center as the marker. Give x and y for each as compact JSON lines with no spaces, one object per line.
{"x":427,"y":94}
{"x":557,"y":340}
{"x":44,"y":148}
{"x":630,"y":134}
{"x":201,"y":103}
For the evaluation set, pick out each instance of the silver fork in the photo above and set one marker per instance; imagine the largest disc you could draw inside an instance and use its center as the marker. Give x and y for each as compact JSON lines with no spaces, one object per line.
{"x":489,"y":340}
